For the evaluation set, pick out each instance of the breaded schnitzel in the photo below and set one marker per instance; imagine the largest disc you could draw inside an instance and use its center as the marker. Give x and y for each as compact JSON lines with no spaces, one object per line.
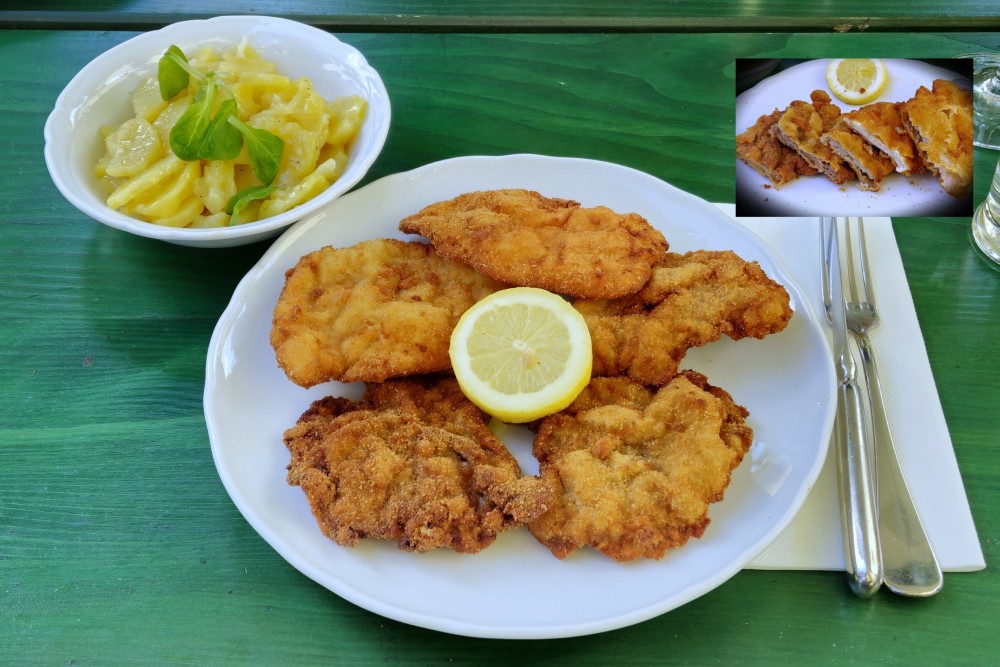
{"x":415,"y":462}
{"x":800,"y":128}
{"x":521,"y":238}
{"x":881,"y":125}
{"x":759,"y":148}
{"x":691,"y":300}
{"x":940,"y":123}
{"x":633,"y":469}
{"x":870,"y":164}
{"x":376,"y":310}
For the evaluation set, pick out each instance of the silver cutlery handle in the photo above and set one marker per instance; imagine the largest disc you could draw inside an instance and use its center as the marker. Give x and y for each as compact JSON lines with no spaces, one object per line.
{"x":909,"y":564}
{"x":858,"y":505}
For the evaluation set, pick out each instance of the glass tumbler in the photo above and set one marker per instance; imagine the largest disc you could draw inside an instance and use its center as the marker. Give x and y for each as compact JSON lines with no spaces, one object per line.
{"x":986,"y":100}
{"x":986,"y":220}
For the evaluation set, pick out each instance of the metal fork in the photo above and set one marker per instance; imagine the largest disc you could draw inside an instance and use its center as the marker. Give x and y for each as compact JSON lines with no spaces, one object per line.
{"x":909,"y":564}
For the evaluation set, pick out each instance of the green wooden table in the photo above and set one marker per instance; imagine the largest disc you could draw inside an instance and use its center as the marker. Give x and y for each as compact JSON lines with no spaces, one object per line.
{"x":118,"y":542}
{"x":489,"y":15}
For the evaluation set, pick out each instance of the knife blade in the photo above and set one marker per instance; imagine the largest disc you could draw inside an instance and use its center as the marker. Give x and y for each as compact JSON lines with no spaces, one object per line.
{"x":854,"y":439}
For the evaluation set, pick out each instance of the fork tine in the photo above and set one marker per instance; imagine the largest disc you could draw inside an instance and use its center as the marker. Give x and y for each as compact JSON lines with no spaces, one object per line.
{"x":851,"y":279}
{"x":866,"y":279}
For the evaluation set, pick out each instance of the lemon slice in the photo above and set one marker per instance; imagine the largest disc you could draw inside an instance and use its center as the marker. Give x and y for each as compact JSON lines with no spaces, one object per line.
{"x":521,"y":353}
{"x":856,"y":80}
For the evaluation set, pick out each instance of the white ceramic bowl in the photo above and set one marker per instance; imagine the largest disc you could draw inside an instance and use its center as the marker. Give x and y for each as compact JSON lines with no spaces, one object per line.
{"x":99,"y":95}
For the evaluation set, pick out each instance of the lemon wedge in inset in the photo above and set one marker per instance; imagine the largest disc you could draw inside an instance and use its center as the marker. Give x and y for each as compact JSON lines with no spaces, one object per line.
{"x":521,"y":353}
{"x":856,"y":80}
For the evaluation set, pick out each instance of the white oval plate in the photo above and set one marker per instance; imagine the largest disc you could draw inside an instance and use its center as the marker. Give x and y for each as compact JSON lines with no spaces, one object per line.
{"x":899,"y":196}
{"x":516,"y":588}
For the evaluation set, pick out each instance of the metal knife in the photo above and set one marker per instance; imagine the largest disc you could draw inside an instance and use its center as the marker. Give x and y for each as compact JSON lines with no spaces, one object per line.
{"x":854,"y":441}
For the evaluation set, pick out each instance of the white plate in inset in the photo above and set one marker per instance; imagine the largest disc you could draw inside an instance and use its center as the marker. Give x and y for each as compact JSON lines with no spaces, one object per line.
{"x":899,"y":196}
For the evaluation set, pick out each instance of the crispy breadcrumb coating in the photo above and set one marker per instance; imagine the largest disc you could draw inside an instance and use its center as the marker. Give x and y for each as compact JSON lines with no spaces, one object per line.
{"x":414,"y":461}
{"x":633,"y":469}
{"x":761,"y":150}
{"x":521,"y":238}
{"x":940,"y":123}
{"x":692,"y":299}
{"x":376,"y":310}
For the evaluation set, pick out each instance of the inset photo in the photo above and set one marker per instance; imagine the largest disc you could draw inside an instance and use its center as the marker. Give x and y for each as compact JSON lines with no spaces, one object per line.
{"x":854,"y":136}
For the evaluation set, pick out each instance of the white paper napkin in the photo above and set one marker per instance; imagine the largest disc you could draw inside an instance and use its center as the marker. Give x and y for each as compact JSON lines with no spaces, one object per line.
{"x":813,"y":541}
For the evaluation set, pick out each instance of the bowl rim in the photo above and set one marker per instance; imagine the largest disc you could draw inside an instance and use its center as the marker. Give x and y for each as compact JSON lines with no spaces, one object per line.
{"x":71,"y":99}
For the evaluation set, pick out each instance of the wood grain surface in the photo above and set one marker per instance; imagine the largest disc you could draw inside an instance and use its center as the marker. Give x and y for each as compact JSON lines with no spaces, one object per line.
{"x":521,"y":15}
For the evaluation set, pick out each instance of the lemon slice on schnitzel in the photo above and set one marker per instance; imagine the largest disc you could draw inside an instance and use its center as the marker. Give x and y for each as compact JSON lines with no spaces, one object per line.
{"x":521,"y":353}
{"x":856,"y":80}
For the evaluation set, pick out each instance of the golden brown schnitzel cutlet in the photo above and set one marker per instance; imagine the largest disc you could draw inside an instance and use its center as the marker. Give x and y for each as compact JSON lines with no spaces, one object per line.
{"x":759,"y":148}
{"x":691,"y":300}
{"x":800,"y":128}
{"x":633,"y":469}
{"x":940,"y":123}
{"x":522,"y":238}
{"x":376,"y":310}
{"x":869,"y":164}
{"x":881,"y":125}
{"x":414,"y":461}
